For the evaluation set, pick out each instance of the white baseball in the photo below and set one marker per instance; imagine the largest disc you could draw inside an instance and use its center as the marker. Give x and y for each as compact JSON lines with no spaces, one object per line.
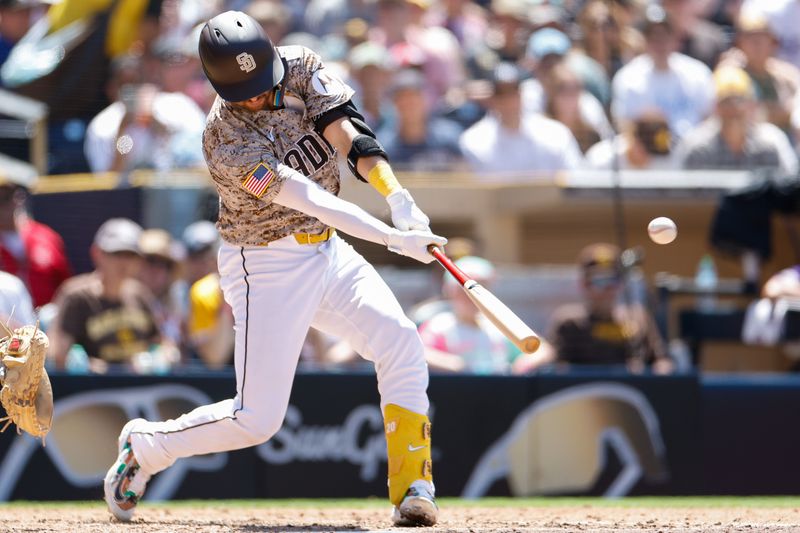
{"x":662,"y":230}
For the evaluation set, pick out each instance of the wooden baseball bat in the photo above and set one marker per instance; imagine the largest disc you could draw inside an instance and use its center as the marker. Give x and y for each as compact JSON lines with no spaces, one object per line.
{"x":492,"y":308}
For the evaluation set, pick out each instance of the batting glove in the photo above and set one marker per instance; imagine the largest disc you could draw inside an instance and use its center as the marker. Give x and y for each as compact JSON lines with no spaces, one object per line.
{"x":405,"y":213}
{"x":413,"y":244}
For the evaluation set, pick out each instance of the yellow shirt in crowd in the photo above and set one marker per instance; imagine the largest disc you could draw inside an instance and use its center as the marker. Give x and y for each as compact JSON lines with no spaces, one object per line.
{"x":123,"y":26}
{"x":206,"y":302}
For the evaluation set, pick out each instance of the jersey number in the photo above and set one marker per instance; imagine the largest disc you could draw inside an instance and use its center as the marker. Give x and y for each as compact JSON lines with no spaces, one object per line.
{"x":307,"y":156}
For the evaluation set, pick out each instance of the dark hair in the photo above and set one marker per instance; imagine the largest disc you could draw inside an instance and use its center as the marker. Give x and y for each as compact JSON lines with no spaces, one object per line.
{"x":585,"y":134}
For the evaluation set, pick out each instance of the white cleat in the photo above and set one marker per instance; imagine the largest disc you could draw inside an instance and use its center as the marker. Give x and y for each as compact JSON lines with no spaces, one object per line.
{"x":125,"y":482}
{"x":418,"y":508}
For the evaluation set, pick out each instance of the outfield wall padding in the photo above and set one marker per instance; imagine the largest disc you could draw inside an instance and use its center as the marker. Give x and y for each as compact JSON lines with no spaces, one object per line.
{"x":595,"y":433}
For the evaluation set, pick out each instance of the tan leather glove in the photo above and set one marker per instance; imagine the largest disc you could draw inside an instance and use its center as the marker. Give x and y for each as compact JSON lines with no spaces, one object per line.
{"x":26,"y":394}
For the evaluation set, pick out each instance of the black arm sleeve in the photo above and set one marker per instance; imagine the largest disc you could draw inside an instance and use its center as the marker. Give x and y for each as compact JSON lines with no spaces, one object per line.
{"x":332,"y":115}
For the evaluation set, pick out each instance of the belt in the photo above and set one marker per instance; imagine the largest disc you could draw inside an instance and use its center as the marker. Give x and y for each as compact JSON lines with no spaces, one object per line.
{"x":312,"y":238}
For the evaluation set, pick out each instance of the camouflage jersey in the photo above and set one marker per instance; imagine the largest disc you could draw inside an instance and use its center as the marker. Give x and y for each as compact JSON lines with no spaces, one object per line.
{"x":250,"y":154}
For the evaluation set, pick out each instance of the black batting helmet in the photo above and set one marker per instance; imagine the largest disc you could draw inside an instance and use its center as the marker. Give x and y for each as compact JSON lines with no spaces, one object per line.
{"x":238,"y":58}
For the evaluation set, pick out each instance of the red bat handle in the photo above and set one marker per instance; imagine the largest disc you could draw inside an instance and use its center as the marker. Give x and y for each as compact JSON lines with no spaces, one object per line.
{"x":448,"y":264}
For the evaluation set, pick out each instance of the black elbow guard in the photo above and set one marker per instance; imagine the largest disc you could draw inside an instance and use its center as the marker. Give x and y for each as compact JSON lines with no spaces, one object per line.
{"x":363,"y":146}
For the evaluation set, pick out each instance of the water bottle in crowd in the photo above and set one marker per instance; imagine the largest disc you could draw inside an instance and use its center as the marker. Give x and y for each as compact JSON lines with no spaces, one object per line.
{"x":706,"y":282}
{"x":77,"y":360}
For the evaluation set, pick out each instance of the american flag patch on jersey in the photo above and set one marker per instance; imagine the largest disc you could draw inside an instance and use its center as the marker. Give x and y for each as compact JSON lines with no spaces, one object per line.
{"x":257,"y":181}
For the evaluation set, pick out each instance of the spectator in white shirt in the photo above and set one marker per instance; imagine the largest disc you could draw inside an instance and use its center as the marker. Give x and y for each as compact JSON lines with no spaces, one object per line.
{"x":507,"y":146}
{"x":679,"y":86}
{"x":16,"y":307}
{"x":145,"y":128}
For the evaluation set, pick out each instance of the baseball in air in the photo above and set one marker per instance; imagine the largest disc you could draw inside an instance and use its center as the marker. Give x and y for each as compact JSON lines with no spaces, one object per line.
{"x":662,"y":230}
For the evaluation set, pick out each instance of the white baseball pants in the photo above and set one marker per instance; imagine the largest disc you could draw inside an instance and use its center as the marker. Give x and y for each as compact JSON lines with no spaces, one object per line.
{"x":276,"y":293}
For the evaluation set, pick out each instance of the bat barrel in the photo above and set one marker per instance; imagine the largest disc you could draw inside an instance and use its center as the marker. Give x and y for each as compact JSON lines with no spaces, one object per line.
{"x":530,"y":344}
{"x":496,"y":311}
{"x":504,"y":318}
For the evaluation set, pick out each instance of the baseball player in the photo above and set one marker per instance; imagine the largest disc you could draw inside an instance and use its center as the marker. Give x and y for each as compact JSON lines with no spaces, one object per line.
{"x":270,"y":144}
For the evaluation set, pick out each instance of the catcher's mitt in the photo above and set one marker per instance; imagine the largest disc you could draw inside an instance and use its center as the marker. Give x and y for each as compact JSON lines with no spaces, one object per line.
{"x":26,"y":394}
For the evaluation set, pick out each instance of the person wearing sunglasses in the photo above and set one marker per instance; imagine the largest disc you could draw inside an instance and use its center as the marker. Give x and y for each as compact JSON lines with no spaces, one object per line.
{"x":603,"y":329}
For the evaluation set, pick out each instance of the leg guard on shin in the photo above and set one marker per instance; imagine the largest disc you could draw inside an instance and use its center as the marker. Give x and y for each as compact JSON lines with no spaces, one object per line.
{"x":408,"y":442}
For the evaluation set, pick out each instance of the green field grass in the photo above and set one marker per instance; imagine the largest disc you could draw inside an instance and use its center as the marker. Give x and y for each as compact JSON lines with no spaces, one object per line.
{"x":362,"y":503}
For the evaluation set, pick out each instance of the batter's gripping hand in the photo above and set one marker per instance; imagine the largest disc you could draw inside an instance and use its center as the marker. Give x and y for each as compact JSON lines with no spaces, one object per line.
{"x":405,"y":213}
{"x":26,"y":394}
{"x":414,"y":244}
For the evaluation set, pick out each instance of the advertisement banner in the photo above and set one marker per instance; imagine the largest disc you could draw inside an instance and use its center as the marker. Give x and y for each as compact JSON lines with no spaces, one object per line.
{"x":573,"y":434}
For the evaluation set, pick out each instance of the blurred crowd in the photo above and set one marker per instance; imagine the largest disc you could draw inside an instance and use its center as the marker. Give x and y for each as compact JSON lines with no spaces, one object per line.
{"x":523,"y":87}
{"x":501,"y":89}
{"x":153,"y":305}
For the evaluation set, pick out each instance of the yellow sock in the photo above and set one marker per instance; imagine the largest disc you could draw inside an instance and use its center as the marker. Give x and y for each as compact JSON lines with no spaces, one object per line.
{"x":408,"y":442}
